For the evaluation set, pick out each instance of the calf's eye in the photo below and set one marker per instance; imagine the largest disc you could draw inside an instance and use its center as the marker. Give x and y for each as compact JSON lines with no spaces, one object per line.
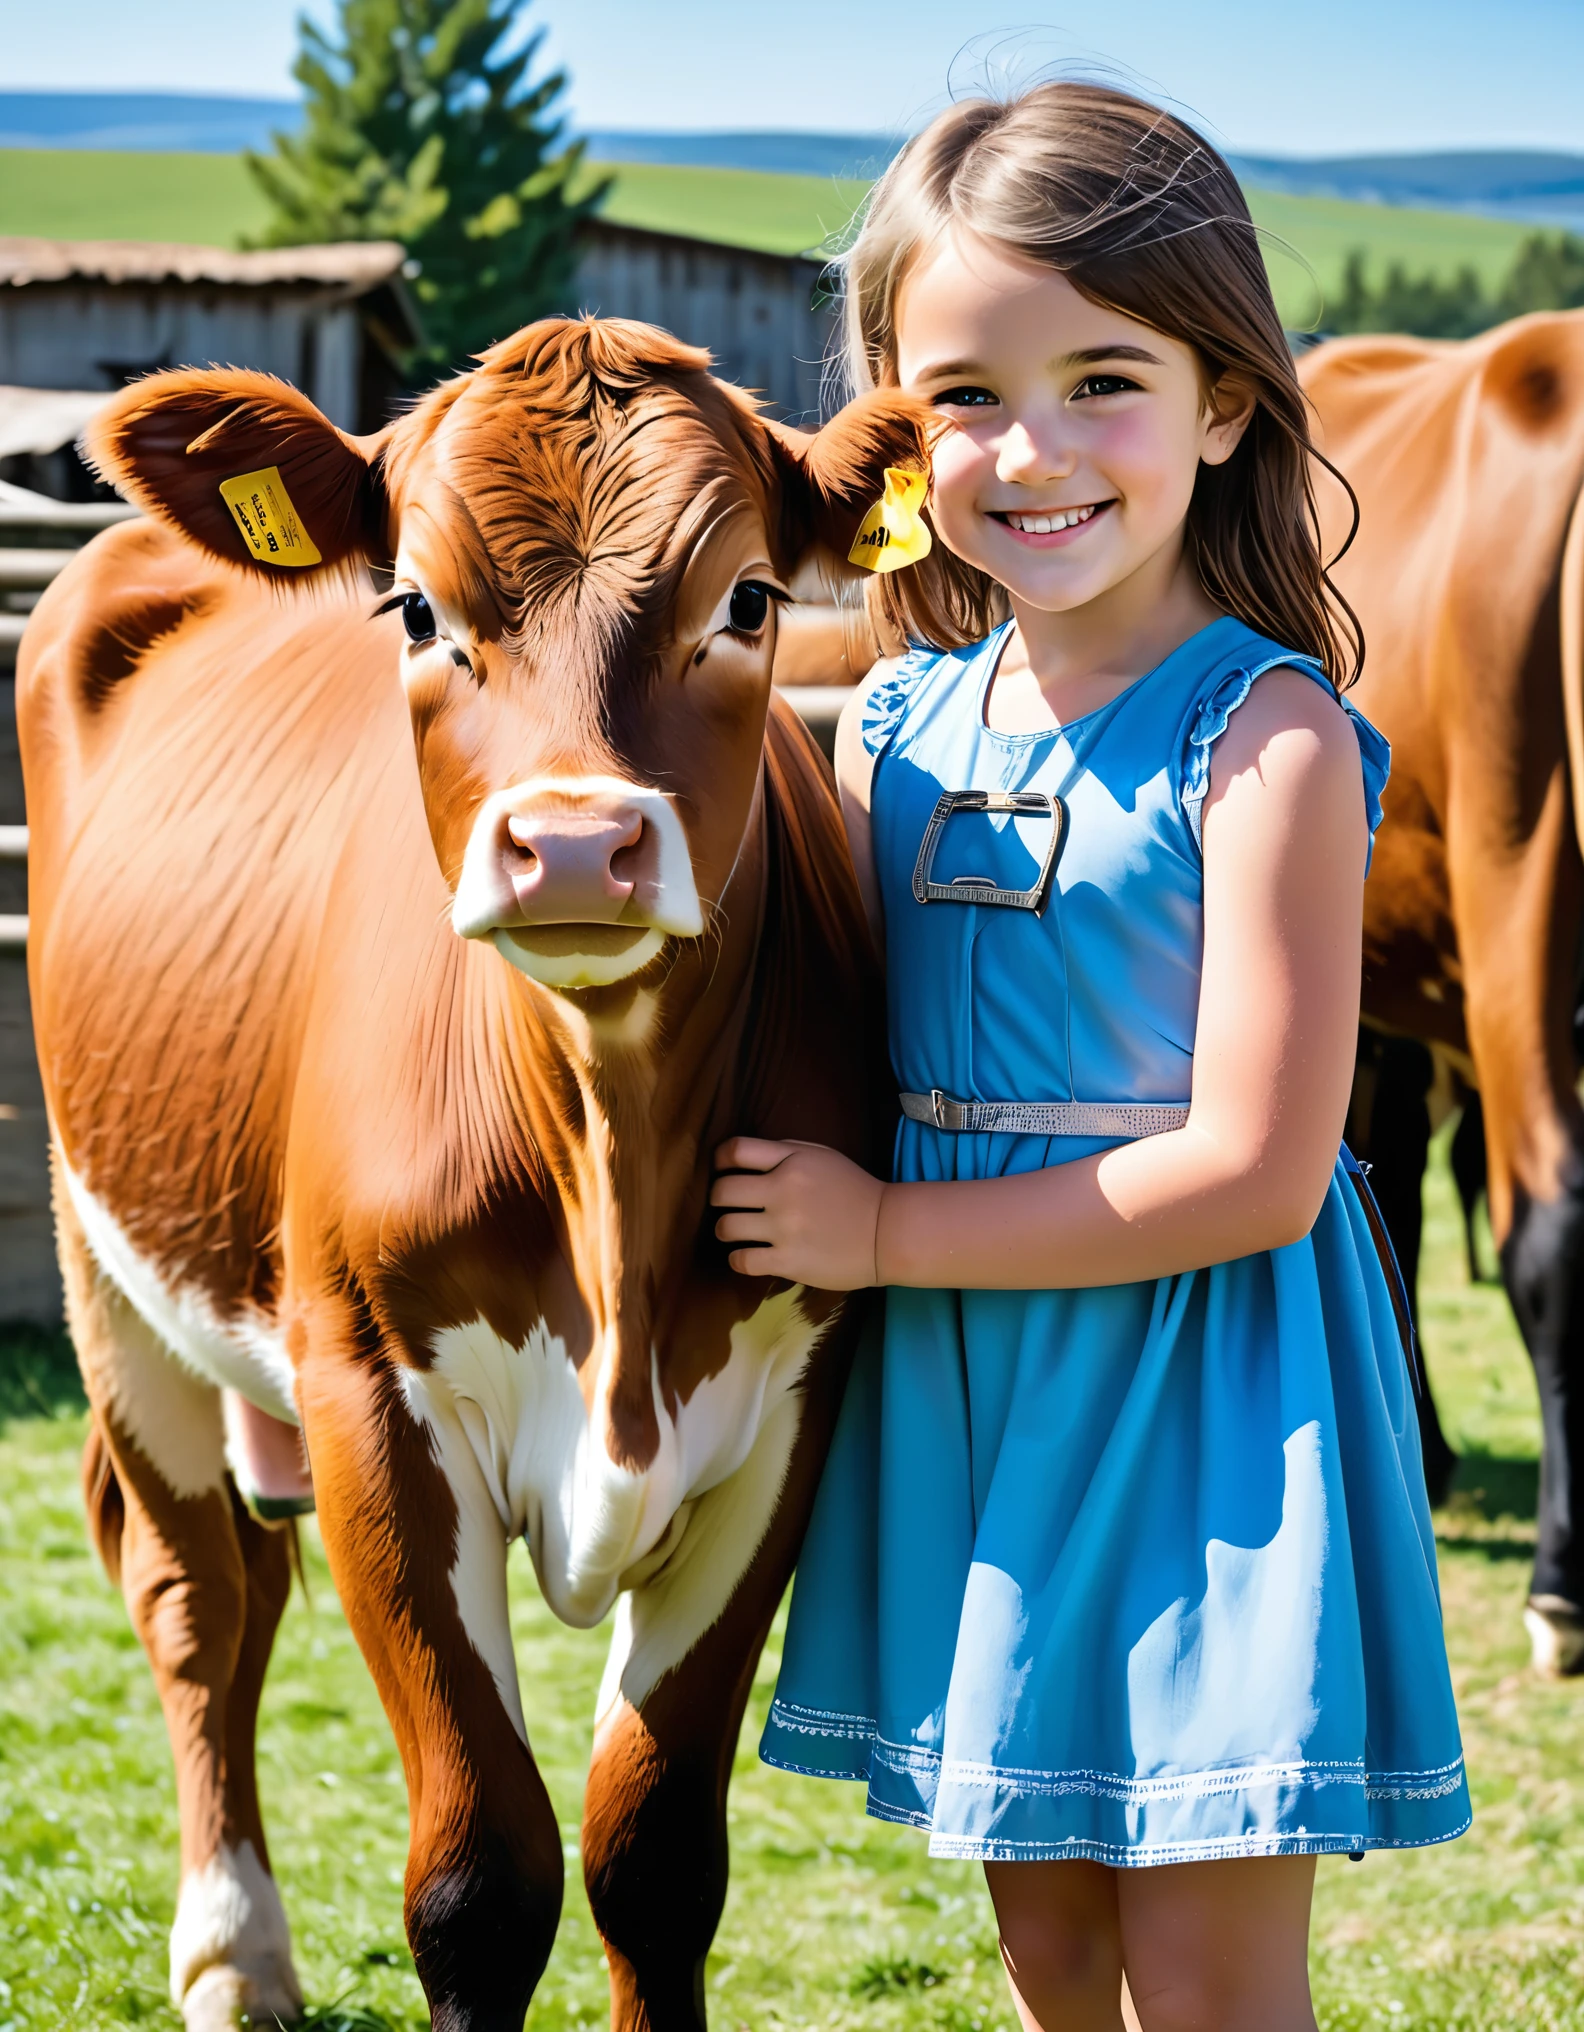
{"x":750,"y":608}
{"x":418,"y":618}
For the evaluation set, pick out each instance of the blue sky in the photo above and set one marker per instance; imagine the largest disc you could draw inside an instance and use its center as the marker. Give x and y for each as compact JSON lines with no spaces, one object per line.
{"x":1272,"y":76}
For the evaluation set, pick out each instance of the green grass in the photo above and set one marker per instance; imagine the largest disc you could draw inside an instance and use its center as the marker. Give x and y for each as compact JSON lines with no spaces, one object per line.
{"x":834,"y":1920}
{"x":739,"y":207}
{"x":86,"y":194}
{"x":103,"y":194}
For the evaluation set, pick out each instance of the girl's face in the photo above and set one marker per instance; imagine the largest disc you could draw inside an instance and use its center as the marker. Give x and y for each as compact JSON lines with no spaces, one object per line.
{"x":1074,"y":432}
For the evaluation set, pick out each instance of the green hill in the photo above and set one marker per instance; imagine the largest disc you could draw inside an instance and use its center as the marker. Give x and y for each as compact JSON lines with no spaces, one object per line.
{"x":92,"y":194}
{"x":84,"y":194}
{"x":739,"y":207}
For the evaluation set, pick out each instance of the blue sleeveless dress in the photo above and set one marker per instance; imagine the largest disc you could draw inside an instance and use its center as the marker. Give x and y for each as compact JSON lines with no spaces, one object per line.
{"x":1143,"y":1573}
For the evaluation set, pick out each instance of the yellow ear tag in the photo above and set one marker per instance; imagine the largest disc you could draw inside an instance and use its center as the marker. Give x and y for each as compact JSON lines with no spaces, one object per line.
{"x":271,"y":527}
{"x":891,"y":535}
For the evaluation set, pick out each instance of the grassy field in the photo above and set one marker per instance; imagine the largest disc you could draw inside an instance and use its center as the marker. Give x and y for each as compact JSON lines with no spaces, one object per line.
{"x":741,"y":207}
{"x":85,"y":194}
{"x":834,"y":1921}
{"x":100,"y":194}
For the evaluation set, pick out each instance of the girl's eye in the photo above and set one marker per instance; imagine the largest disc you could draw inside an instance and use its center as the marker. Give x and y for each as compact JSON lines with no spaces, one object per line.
{"x":750,"y":608}
{"x":967,"y":398}
{"x":1104,"y":384}
{"x":418,"y":618}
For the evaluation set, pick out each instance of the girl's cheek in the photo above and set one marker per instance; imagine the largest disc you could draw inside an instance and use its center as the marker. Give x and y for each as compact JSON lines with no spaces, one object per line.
{"x":1154,"y":469}
{"x":957,"y":468}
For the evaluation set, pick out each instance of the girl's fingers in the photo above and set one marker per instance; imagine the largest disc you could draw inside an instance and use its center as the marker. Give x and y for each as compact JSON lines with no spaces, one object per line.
{"x":754,"y":1262}
{"x":745,"y":1227}
{"x":739,"y":1188}
{"x":751,"y":1153}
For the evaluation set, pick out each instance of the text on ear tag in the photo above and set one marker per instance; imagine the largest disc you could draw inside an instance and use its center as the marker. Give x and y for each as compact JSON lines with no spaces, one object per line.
{"x":271,"y":527}
{"x":893,"y":534}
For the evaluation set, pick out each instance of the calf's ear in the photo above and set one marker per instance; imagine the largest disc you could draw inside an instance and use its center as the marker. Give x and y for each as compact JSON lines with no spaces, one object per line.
{"x":922,"y":592}
{"x":832,"y":477}
{"x":245,"y":466}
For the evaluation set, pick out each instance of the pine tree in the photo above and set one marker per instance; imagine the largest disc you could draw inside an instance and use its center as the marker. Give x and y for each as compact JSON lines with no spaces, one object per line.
{"x":420,"y":128}
{"x":1548,"y":274}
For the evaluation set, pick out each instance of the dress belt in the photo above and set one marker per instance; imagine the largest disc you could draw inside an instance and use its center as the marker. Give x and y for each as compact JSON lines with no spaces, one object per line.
{"x":1044,"y":1118}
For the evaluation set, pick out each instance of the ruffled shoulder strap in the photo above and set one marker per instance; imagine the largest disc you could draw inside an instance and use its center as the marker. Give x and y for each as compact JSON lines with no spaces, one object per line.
{"x":1222,"y":701}
{"x":888,"y":697}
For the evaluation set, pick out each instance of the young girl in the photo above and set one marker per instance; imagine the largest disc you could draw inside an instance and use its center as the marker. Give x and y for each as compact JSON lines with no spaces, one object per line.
{"x":1121,"y":1577}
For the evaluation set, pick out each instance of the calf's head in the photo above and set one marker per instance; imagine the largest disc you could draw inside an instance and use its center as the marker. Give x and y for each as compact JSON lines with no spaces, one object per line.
{"x":589,"y":537}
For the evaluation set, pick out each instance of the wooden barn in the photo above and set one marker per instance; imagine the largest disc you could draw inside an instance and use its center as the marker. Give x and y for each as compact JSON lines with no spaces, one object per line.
{"x":763,"y":316}
{"x":94,"y":314}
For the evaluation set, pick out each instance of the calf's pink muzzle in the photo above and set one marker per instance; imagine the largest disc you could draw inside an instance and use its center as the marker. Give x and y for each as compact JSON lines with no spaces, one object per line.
{"x":569,"y":851}
{"x":578,"y":867}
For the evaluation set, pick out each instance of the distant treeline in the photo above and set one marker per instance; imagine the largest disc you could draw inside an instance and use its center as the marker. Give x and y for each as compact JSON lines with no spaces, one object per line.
{"x":1547,"y":274}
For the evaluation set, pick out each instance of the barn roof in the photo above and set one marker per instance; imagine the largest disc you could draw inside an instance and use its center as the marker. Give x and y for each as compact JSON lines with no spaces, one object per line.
{"x":353,"y":266}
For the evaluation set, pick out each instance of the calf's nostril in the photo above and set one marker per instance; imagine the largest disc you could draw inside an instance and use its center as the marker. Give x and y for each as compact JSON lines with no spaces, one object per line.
{"x":627,"y":858}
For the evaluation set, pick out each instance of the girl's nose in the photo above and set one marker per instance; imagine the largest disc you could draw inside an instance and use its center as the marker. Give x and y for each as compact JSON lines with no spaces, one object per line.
{"x":1031,"y":454}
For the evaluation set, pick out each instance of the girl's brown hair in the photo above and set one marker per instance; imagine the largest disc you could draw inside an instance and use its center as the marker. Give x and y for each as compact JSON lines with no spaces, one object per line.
{"x":1145,"y":217}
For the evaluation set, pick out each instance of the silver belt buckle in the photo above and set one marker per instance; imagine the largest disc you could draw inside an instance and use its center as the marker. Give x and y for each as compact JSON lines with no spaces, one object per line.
{"x":981,"y":888}
{"x":939,"y":1103}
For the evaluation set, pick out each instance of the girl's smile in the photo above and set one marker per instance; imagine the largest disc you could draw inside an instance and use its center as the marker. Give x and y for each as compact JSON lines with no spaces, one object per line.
{"x":1047,"y":528}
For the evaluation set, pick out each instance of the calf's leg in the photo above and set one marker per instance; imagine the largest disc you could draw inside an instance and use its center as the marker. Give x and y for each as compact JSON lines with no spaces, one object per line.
{"x":655,"y":1853}
{"x":205,"y":1586}
{"x":418,"y":1553}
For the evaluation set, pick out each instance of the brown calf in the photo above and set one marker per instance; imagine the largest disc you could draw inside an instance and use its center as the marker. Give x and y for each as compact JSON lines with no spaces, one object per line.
{"x":441,"y":1197}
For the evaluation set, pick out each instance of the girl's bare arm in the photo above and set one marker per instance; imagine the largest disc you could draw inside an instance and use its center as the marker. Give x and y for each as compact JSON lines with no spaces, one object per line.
{"x":1273,"y":1064}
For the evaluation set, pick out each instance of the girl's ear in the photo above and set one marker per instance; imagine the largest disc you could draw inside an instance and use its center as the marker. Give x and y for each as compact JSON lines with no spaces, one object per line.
{"x":1229,"y":410}
{"x":831,"y":478}
{"x":245,"y":466}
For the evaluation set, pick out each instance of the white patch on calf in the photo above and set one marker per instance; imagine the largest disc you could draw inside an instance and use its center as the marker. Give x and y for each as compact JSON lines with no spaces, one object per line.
{"x":527,"y":1430}
{"x":247,"y":1353}
{"x":170,"y":1415}
{"x":681,"y":1532}
{"x":665,"y":1615}
{"x":478,"y":1565}
{"x":229,"y":1916}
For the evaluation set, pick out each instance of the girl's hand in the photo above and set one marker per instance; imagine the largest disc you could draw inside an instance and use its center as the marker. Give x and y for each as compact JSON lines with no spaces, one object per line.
{"x":803,"y":1212}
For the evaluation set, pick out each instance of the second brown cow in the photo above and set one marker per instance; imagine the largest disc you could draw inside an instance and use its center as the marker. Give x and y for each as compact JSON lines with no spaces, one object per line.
{"x":1468,"y":576}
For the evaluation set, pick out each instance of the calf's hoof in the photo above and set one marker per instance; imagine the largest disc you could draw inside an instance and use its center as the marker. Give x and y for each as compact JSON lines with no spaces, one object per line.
{"x":226,"y":2000}
{"x":1556,"y":1635}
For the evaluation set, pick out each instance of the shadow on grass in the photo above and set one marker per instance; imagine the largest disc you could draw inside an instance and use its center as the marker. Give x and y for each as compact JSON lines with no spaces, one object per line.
{"x":338,"y":2017}
{"x":345,"y":2018}
{"x":1492,"y":1507}
{"x":892,"y":1973}
{"x":1489,"y":1486}
{"x":38,"y":1374}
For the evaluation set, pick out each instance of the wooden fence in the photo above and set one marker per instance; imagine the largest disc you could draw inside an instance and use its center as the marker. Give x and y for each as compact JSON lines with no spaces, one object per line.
{"x":35,"y":543}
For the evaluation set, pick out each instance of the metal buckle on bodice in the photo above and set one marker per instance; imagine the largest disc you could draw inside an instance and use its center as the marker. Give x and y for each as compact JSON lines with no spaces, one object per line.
{"x":983,"y":888}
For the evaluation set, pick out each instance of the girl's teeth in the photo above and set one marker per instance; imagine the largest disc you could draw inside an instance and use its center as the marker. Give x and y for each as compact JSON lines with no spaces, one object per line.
{"x":1045,"y":525}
